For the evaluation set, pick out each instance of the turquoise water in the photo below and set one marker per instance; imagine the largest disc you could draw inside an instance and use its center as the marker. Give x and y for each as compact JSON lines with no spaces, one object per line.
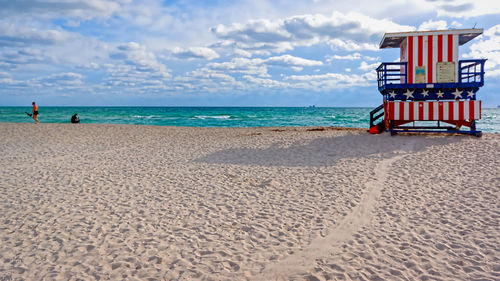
{"x":218,"y":116}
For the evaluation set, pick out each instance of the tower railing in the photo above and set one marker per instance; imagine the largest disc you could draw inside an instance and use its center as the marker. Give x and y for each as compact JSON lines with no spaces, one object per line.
{"x":393,"y":75}
{"x":471,"y":71}
{"x":374,"y":117}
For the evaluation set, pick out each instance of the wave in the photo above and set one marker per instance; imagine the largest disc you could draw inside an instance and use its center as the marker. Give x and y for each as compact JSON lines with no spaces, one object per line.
{"x":149,"y":116}
{"x":212,"y":117}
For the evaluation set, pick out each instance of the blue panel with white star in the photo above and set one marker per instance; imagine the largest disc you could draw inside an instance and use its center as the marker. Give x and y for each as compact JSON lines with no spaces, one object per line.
{"x":430,"y":94}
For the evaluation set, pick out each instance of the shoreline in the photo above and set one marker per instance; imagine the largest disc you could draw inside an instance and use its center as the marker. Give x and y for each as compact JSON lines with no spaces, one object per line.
{"x":113,"y":201}
{"x":273,"y":129}
{"x":80,"y":124}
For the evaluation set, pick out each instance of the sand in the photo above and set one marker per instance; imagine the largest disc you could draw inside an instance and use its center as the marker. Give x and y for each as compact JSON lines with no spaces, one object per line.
{"x":83,"y":201}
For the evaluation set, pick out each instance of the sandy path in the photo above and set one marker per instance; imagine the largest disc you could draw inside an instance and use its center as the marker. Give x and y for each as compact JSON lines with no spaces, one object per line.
{"x":359,"y":217}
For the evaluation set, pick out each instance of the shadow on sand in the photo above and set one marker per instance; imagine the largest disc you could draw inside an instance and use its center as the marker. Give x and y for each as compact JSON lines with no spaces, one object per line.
{"x":327,"y":151}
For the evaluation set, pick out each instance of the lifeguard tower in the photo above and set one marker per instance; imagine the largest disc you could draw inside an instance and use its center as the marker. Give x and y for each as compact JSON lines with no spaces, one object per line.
{"x":429,"y":83}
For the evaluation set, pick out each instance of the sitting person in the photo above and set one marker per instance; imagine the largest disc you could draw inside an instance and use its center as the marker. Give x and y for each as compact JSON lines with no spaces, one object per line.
{"x":75,"y":119}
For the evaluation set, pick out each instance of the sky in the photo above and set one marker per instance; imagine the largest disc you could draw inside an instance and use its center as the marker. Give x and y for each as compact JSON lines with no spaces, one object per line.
{"x":221,"y":53}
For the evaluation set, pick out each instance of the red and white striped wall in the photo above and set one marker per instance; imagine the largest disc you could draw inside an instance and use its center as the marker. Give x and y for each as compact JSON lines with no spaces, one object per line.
{"x":433,"y":110}
{"x":427,"y":50}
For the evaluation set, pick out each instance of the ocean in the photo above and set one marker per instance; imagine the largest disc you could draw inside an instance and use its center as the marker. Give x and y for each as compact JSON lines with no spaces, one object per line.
{"x":218,"y":116}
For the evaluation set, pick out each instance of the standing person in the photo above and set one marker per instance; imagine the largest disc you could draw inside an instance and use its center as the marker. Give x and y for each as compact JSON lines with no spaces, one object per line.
{"x":35,"y":112}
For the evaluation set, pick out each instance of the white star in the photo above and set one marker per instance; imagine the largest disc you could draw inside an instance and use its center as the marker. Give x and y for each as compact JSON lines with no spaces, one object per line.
{"x":457,"y":94}
{"x":470,"y":94}
{"x":440,"y":94}
{"x":408,"y":94}
{"x":392,"y":94}
{"x":425,"y":93}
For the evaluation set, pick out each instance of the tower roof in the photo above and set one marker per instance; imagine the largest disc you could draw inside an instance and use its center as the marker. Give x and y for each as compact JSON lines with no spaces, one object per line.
{"x":393,"y":40}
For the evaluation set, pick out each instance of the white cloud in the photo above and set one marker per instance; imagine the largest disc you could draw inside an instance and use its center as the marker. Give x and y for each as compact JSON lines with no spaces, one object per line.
{"x":9,"y":82}
{"x":488,"y":47}
{"x":127,"y":75}
{"x":137,"y":56}
{"x":433,"y":25}
{"x":259,"y":66}
{"x":205,"y":73}
{"x":242,"y":53}
{"x":134,"y":68}
{"x":206,"y":80}
{"x":493,"y":73}
{"x":368,"y":67}
{"x":90,"y":65}
{"x":465,"y":8}
{"x":290,"y":61}
{"x":195,"y":53}
{"x":368,"y":58}
{"x":354,"y":56}
{"x":338,"y":44}
{"x":242,"y":65}
{"x":6,"y":66}
{"x":351,"y":31}
{"x":85,"y":9}
{"x":23,"y":57}
{"x":59,"y":79}
{"x":265,"y":82}
{"x":350,"y":57}
{"x":15,"y":35}
{"x":330,"y":81}
{"x":252,"y":32}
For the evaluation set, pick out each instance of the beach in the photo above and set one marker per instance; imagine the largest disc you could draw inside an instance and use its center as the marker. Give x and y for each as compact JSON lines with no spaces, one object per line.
{"x":138,"y":202}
